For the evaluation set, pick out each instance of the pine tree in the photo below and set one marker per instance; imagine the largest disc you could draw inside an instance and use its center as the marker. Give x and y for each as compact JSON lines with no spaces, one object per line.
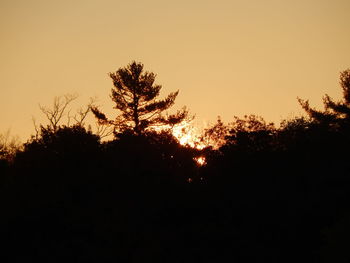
{"x":335,"y":112}
{"x":135,"y":96}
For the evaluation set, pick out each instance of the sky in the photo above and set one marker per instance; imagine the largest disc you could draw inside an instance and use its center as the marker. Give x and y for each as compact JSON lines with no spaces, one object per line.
{"x":226,"y":57}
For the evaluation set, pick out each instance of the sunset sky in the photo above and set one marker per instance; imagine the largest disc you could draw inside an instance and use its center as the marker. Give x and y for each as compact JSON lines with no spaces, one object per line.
{"x":227,"y":57}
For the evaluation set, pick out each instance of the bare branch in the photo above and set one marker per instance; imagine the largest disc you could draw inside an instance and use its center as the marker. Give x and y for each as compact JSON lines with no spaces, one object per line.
{"x":83,"y":112}
{"x":104,"y":130}
{"x":55,"y":114}
{"x":36,"y":128}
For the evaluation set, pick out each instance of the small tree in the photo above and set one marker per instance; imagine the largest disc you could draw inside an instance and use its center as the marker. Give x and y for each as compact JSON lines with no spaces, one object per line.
{"x":135,"y":96}
{"x":9,"y":146}
{"x":216,"y":134}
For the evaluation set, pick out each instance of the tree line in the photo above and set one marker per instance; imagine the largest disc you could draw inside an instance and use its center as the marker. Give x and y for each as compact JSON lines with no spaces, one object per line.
{"x":265,"y":193}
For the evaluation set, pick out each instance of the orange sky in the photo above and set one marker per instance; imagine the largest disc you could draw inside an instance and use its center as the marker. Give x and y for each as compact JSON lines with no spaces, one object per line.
{"x":226,"y":57}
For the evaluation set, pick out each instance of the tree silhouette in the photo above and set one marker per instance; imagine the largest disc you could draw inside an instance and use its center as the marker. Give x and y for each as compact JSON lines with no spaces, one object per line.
{"x":265,"y":193}
{"x":135,"y":95}
{"x":251,"y":133}
{"x":335,"y":112}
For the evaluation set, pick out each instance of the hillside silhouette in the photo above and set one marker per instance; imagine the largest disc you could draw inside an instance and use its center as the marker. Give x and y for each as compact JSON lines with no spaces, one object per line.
{"x":265,"y":193}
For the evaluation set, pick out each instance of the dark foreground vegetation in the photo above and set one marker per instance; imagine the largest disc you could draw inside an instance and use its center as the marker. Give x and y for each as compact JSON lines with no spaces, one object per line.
{"x":266,"y":194}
